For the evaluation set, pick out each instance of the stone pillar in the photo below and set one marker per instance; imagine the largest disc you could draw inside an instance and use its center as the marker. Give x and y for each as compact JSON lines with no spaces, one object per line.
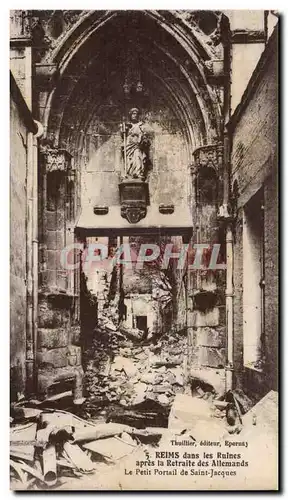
{"x":59,"y":355}
{"x":206,"y":287}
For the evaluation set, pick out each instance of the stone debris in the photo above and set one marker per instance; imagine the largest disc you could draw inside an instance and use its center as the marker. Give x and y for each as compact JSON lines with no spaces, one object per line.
{"x":207,"y":378}
{"x":264,"y":414}
{"x":112,"y":448}
{"x":186,"y":411}
{"x":128,"y":369}
{"x":22,"y":438}
{"x":60,"y":445}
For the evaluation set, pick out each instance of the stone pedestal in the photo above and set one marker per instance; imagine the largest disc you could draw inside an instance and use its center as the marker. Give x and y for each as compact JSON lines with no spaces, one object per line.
{"x":134,"y":198}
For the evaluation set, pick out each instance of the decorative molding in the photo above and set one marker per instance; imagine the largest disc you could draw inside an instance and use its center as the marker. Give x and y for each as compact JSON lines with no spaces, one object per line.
{"x":166,"y":209}
{"x":268,"y":54}
{"x":248,"y":36}
{"x":20,"y":42}
{"x":214,"y":70}
{"x":210,"y":156}
{"x":57,"y":160}
{"x":134,"y":198}
{"x":100,"y":210}
{"x":133,"y":213}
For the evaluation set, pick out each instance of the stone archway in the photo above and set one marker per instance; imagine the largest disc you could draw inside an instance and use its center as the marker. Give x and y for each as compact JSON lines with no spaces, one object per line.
{"x":81,"y":101}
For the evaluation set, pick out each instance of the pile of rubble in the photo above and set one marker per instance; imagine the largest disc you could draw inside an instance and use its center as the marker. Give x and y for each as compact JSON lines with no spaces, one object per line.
{"x":48,"y":447}
{"x":123,"y":370}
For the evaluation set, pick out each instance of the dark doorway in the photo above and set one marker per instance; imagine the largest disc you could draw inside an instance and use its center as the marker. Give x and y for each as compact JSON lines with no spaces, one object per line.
{"x":141,"y":323}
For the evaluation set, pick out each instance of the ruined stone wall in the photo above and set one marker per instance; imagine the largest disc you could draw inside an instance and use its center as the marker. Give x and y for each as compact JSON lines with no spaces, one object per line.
{"x":18,"y":290}
{"x":271,"y":237}
{"x":254,"y":167}
{"x":21,"y":53}
{"x":255,"y":136}
{"x":238,"y":298}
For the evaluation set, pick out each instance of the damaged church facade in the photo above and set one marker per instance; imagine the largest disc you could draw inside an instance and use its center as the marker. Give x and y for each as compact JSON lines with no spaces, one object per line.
{"x":143,"y":128}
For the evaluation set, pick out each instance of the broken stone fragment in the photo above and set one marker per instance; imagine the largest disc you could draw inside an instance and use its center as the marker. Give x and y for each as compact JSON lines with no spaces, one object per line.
{"x":141,"y":356}
{"x":133,"y":333}
{"x":161,"y":389}
{"x":140,"y":390}
{"x":214,"y":378}
{"x":175,"y":351}
{"x":148,"y":378}
{"x":170,"y":378}
{"x":120,"y":363}
{"x":179,"y":378}
{"x":160,"y":369}
{"x":163,"y":399}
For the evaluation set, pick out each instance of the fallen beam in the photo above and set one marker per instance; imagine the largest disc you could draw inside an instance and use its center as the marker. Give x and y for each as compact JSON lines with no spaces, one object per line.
{"x":49,"y":465}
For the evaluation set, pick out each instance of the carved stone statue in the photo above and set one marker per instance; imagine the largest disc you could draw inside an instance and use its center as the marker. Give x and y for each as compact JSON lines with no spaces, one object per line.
{"x":136,"y":146}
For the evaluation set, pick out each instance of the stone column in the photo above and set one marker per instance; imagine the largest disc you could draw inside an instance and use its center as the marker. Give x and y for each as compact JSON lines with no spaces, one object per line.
{"x":58,"y":358}
{"x":206,"y":287}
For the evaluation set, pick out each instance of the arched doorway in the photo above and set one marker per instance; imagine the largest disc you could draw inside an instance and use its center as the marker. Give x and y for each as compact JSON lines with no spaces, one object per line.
{"x":107,"y":64}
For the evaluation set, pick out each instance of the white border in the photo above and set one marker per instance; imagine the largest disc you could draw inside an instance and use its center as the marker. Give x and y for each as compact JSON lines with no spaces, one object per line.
{"x":4,"y":192}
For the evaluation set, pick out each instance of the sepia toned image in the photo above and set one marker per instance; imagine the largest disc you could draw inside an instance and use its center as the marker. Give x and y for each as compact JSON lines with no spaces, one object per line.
{"x":144,"y":250}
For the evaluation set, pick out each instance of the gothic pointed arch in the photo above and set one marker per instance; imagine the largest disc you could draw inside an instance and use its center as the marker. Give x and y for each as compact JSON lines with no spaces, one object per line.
{"x":92,"y":58}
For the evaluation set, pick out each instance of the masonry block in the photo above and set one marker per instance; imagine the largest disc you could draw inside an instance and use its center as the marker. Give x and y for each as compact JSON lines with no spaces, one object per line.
{"x":54,"y":220}
{"x":51,"y":259}
{"x":60,"y":238}
{"x":74,"y":355}
{"x":75,"y":334}
{"x":222,"y":315}
{"x":62,"y":279}
{"x":212,"y":357}
{"x":204,"y":319}
{"x":53,"y":337}
{"x":56,"y":358}
{"x":210,"y":337}
{"x":51,"y":221}
{"x":56,"y":380}
{"x":51,"y":277}
{"x":50,"y":239}
{"x":53,"y":317}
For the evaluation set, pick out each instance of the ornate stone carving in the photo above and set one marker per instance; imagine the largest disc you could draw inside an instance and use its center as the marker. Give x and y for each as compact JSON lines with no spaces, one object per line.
{"x":134,"y":197}
{"x":207,"y":174}
{"x":56,"y":160}
{"x":209,"y":156}
{"x":133,"y":213}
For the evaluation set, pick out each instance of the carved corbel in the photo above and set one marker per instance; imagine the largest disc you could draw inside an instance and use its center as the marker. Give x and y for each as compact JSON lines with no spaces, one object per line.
{"x":208,"y":170}
{"x":56,"y":160}
{"x":208,"y":156}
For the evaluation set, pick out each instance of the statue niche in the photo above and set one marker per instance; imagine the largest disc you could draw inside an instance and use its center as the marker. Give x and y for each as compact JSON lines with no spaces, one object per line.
{"x":134,"y":191}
